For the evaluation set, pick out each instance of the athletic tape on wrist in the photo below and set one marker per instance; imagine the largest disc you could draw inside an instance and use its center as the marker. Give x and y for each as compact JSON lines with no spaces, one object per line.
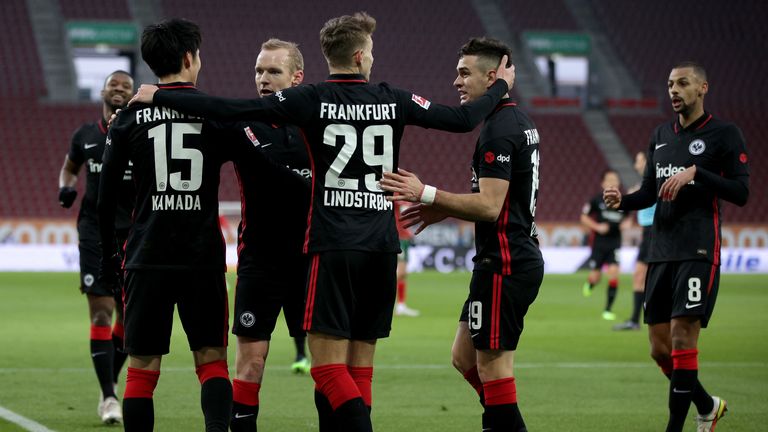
{"x":428,"y":195}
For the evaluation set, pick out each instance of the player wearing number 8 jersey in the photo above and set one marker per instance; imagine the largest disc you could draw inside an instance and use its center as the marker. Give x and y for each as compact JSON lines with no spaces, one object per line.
{"x":175,"y":249}
{"x":508,"y":264}
{"x":694,"y":162}
{"x":353,"y":131}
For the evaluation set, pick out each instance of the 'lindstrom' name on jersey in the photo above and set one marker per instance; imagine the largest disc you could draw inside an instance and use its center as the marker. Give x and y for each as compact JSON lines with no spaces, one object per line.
{"x":345,"y":198}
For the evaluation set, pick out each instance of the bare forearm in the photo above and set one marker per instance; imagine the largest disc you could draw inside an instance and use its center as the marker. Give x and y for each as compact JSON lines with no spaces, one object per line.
{"x":470,"y":207}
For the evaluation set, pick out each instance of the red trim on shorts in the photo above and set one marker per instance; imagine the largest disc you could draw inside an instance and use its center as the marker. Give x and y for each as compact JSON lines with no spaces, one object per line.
{"x":500,"y":392}
{"x":711,"y":278}
{"x":685,"y":359}
{"x":246,"y":393}
{"x":101,"y":332}
{"x":495,"y":311}
{"x":243,"y":221}
{"x":716,"y":227}
{"x":311,"y":288}
{"x":506,"y":257}
{"x":140,"y":383}
{"x":312,"y":195}
{"x":214,"y":369}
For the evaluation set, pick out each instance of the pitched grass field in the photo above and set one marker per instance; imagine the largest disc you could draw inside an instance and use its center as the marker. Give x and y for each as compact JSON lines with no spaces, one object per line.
{"x":573,"y":372}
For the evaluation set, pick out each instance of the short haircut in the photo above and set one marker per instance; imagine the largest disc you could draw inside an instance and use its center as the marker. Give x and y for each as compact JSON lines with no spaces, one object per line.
{"x":340,"y":37}
{"x":296,"y":59}
{"x":119,"y":71}
{"x":488,"y":50}
{"x":697,"y":68}
{"x":163,"y":45}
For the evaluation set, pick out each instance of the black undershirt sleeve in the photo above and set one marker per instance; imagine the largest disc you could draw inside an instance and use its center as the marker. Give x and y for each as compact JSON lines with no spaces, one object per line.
{"x":115,"y":161}
{"x":735,"y":190}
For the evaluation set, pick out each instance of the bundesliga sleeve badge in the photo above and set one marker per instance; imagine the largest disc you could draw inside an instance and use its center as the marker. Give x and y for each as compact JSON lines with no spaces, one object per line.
{"x":420,"y":101}
{"x":251,"y":136}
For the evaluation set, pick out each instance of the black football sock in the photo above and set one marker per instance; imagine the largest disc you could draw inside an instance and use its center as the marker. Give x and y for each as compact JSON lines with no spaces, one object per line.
{"x":637,"y":305}
{"x":300,"y":350}
{"x":119,"y":357}
{"x":102,"y":354}
{"x":681,"y":387}
{"x":353,"y":416}
{"x":501,"y":412}
{"x":216,"y":401}
{"x":138,"y":408}
{"x":703,"y":400}
{"x":324,"y":413}
{"x":245,"y":406}
{"x":215,"y":395}
{"x":613,"y":286}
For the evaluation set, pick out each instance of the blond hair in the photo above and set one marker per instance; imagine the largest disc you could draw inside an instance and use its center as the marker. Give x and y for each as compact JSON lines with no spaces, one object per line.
{"x":296,"y":60}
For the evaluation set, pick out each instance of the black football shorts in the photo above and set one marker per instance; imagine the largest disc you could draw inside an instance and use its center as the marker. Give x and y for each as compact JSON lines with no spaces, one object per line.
{"x":496,"y":307}
{"x":150,"y":297}
{"x":351,"y":294}
{"x":603,"y":255}
{"x":263,"y":291}
{"x":645,"y":245}
{"x":681,"y":288}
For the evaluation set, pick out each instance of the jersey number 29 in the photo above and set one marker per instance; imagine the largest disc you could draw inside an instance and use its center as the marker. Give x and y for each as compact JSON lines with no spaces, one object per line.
{"x":333,"y":178}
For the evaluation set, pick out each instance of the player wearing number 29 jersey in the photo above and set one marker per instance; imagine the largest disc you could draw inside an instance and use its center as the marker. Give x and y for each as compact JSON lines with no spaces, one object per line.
{"x":353,"y":131}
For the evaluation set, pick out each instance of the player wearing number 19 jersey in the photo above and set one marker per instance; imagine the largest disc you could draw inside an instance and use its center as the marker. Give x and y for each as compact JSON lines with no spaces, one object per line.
{"x":694,"y":162}
{"x":175,"y":250}
{"x":508,"y":264}
{"x":353,"y":131}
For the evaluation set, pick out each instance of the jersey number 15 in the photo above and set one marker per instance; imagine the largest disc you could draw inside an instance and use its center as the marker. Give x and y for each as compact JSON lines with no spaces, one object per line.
{"x":178,"y":152}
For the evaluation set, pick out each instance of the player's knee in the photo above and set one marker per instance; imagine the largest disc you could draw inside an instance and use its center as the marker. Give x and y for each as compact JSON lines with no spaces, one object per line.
{"x":252,"y":369}
{"x":102,"y":318}
{"x":461,"y":361}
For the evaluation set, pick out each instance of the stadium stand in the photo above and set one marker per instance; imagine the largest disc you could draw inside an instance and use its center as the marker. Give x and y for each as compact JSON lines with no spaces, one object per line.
{"x":95,"y":10}
{"x":421,"y":57}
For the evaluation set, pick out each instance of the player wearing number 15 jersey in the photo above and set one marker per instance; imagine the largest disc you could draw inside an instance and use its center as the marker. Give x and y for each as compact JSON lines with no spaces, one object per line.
{"x":508,"y":264}
{"x":694,"y":162}
{"x":353,"y":131}
{"x":175,"y":250}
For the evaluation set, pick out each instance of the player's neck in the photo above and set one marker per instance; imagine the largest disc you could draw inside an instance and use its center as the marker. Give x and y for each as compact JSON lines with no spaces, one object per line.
{"x":686,"y":119}
{"x":106,"y":112}
{"x":173,"y":78}
{"x":335,"y":70}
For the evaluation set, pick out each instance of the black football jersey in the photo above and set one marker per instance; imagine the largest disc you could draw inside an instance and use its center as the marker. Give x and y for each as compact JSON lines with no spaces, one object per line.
{"x":274,"y":173}
{"x":597,"y":210}
{"x":688,"y":228}
{"x":353,"y":131}
{"x":177,"y":159}
{"x":87,"y":149}
{"x":508,"y":149}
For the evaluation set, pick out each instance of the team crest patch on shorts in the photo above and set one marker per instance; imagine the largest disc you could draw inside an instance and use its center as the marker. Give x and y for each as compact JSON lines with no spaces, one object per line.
{"x":88,"y":279}
{"x":697,"y":147}
{"x":247,"y":319}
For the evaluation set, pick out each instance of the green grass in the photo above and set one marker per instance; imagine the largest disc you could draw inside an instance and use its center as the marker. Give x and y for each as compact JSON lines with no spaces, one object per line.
{"x":573,"y":372}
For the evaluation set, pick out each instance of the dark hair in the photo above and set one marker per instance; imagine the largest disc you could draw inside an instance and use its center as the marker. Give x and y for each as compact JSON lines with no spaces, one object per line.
{"x":489,"y":49}
{"x":164,"y":45}
{"x":119,"y":71}
{"x":340,"y":37}
{"x":697,"y":68}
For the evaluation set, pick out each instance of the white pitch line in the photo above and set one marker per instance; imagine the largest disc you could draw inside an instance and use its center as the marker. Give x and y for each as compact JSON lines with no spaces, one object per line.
{"x":22,"y":421}
{"x":522,"y":365}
